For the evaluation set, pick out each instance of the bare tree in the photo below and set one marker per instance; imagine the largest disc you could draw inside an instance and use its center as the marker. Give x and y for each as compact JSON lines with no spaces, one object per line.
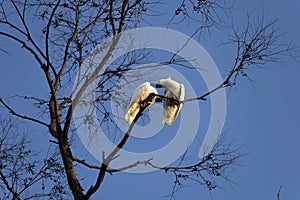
{"x":67,"y":30}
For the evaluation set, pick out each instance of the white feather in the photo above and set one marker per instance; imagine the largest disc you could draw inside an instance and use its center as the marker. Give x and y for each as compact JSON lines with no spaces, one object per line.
{"x":174,"y":90}
{"x":140,"y":94}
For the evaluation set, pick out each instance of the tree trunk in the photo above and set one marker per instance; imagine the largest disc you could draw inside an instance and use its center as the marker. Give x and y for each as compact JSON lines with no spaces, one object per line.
{"x":69,"y":168}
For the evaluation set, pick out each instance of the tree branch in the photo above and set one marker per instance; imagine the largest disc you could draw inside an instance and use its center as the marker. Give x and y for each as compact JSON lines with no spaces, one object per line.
{"x":10,"y":189}
{"x":27,"y":33}
{"x":47,"y":37}
{"x":106,"y":161}
{"x":123,"y":15}
{"x":137,"y":163}
{"x":83,"y":162}
{"x":24,"y":45}
{"x":22,"y":116}
{"x":68,"y":43}
{"x":278,"y":193}
{"x":111,"y":17}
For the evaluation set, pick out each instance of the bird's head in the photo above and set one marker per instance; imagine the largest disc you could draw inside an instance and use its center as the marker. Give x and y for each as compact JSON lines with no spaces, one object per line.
{"x":158,"y":84}
{"x":161,"y":83}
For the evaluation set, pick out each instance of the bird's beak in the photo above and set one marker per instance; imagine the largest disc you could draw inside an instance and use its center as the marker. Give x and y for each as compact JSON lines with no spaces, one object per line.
{"x":158,"y":86}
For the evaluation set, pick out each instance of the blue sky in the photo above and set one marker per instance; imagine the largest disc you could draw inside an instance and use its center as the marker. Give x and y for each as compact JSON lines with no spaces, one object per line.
{"x":264,"y":118}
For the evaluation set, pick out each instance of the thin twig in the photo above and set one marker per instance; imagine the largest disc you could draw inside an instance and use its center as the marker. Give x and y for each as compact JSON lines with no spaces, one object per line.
{"x":85,"y":163}
{"x":278,"y":193}
{"x":22,"y":116}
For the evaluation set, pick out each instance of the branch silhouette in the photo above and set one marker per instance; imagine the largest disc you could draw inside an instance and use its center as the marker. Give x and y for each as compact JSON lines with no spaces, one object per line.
{"x":106,"y":160}
{"x":13,"y":112}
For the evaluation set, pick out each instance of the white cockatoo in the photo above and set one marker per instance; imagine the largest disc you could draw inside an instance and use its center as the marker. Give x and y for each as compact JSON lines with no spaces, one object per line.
{"x":140,"y":94}
{"x":171,"y":108}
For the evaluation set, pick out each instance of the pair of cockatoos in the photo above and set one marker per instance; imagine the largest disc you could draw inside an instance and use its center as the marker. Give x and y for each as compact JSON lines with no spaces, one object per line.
{"x":174,"y":93}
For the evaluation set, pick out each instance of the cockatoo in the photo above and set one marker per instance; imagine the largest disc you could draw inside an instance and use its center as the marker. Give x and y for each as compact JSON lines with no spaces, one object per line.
{"x":171,"y":108}
{"x":140,"y":94}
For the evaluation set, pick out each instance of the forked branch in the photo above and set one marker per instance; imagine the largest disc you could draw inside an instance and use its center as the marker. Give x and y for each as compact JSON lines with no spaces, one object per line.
{"x":106,"y":160}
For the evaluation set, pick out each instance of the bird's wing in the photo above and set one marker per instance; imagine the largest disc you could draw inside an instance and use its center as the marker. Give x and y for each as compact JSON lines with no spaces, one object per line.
{"x":138,"y":93}
{"x":181,"y":92}
{"x":166,"y":107}
{"x":132,"y":112}
{"x":181,"y":98}
{"x":134,"y":106}
{"x":171,"y":110}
